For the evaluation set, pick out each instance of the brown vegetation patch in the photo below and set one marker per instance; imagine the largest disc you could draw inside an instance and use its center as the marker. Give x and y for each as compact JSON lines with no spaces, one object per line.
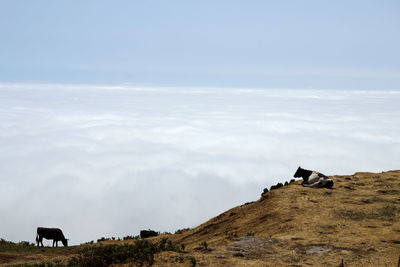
{"x":6,"y":258}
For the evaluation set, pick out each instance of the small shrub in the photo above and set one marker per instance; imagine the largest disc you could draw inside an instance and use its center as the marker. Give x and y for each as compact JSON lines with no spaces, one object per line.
{"x":292,"y":180}
{"x":192,"y":260}
{"x":162,"y":243}
{"x":183,"y":247}
{"x":286,"y":183}
{"x":250,"y":234}
{"x":148,"y":233}
{"x":278,"y":185}
{"x":204,"y":245}
{"x":166,"y":244}
{"x":264,"y":191}
{"x":172,"y":247}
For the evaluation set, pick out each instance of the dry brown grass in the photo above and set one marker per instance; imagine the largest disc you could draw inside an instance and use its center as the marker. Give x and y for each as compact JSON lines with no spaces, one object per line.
{"x":357,"y":221}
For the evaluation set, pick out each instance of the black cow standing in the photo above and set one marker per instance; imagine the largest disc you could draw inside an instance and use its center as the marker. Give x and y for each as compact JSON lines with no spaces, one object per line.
{"x":313,"y":178}
{"x":51,"y":233}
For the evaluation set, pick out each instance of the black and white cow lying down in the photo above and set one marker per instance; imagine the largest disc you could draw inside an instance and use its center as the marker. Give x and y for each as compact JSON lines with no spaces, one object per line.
{"x":313,"y":178}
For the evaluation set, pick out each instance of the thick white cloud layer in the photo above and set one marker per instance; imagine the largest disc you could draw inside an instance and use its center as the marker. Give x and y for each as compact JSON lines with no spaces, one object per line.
{"x":112,"y":160}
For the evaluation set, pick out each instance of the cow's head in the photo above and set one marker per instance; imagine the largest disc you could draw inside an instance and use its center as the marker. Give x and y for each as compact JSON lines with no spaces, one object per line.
{"x":65,"y":242}
{"x":299,"y":172}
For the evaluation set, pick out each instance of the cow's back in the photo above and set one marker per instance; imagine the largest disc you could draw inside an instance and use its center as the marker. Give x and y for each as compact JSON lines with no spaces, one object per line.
{"x":50,"y":233}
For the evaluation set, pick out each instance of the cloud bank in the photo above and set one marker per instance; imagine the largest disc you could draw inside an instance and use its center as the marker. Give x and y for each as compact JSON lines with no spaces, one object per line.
{"x":102,"y":160}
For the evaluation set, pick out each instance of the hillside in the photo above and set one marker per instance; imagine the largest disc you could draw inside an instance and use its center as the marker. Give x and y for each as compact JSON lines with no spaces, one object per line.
{"x":357,"y":221}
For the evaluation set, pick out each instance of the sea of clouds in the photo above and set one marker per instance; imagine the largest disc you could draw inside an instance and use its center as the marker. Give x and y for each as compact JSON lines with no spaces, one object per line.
{"x":102,"y":160}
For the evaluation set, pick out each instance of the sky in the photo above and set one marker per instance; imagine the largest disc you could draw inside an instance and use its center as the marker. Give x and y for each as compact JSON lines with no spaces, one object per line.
{"x":279,"y":44}
{"x":118,"y":116}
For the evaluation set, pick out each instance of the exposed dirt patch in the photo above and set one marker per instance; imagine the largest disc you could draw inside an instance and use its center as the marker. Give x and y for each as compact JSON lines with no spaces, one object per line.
{"x":251,"y":243}
{"x":318,"y":249}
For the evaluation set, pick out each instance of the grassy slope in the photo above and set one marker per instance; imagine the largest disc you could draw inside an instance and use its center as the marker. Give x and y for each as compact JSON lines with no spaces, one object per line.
{"x":358,"y":221}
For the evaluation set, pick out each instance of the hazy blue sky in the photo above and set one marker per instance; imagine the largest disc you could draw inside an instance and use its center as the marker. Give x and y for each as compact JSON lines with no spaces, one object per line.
{"x":319,"y":44}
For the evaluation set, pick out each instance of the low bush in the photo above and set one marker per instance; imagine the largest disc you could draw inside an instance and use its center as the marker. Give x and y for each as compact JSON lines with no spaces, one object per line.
{"x":148,"y":233}
{"x":140,"y":252}
{"x":128,"y":237}
{"x":193,"y":260}
{"x":180,"y":231}
{"x":204,"y":244}
{"x":264,"y":191}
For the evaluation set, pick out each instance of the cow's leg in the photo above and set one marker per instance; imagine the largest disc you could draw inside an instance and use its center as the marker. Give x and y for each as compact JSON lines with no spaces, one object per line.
{"x":41,"y":240}
{"x":53,"y":242}
{"x":56,"y":243}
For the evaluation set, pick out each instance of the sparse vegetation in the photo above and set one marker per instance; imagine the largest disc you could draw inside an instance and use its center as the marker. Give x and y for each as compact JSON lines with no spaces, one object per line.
{"x":129,"y":237}
{"x":180,"y":231}
{"x":192,"y":260}
{"x":179,"y":259}
{"x":204,"y":244}
{"x":140,"y":252}
{"x":385,"y":213}
{"x":102,"y":239}
{"x":88,"y":243}
{"x":278,"y":185}
{"x":231,"y":235}
{"x":173,"y":247}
